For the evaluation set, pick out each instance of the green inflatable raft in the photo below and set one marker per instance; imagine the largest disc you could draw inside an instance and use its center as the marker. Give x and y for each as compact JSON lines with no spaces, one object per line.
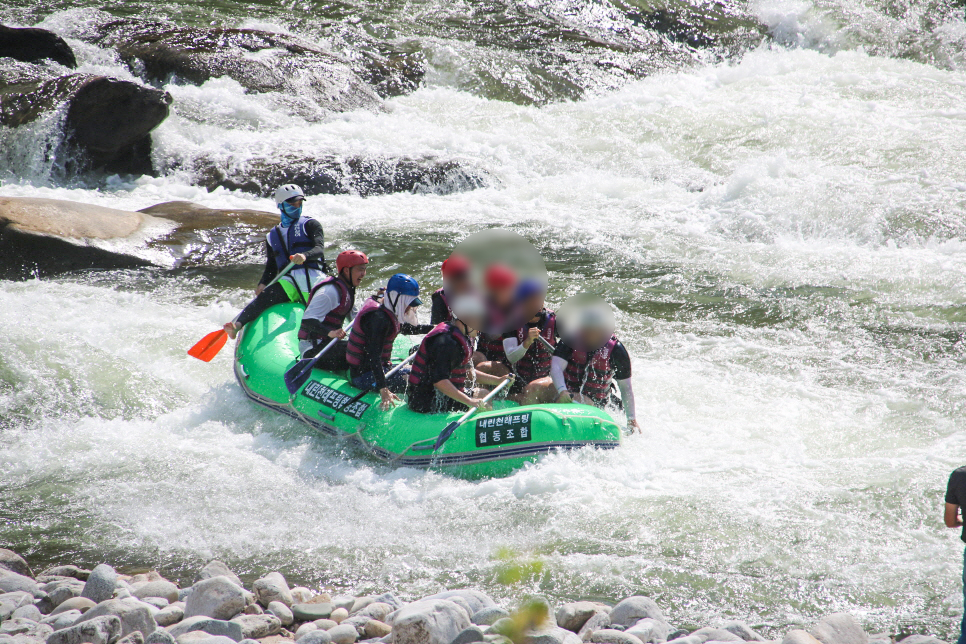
{"x":489,"y":444}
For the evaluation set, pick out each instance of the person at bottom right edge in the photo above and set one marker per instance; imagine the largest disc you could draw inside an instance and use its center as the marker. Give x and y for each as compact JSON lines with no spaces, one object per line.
{"x":584,"y":377}
{"x":955,"y":499}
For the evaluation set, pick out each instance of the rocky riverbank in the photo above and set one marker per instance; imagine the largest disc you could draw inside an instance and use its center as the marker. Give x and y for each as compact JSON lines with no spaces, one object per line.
{"x":70,"y":605}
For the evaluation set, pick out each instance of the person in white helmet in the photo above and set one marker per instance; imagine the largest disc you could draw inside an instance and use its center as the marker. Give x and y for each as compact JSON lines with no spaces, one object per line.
{"x":296,"y":238}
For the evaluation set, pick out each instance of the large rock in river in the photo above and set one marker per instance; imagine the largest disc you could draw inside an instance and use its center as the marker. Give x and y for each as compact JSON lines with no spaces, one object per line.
{"x":32,"y":45}
{"x":13,"y":562}
{"x":260,"y":61}
{"x":48,"y":236}
{"x":108,"y":121}
{"x":334,"y":175}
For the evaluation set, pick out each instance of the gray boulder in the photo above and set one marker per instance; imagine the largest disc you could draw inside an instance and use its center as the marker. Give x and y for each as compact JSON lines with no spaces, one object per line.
{"x":312,"y":612}
{"x":258,"y":626}
{"x":476,"y":600}
{"x":61,"y":620}
{"x":574,"y":615}
{"x":282,"y":612}
{"x":840,"y":628}
{"x":29,"y":611}
{"x":215,"y":568}
{"x":102,"y":630}
{"x":921,"y":639}
{"x":377,"y":610}
{"x":100,"y":584}
{"x":132,"y":638}
{"x":343,"y":634}
{"x":308,"y":627}
{"x":9,"y":559}
{"x":347,"y":602}
{"x":552,"y":635}
{"x":160,"y":636}
{"x":633,"y":609}
{"x":26,"y":627}
{"x":742,"y":630}
{"x":488,"y":616}
{"x":67,"y":571}
{"x":217,"y":597}
{"x":171,"y":614}
{"x":469,"y":635}
{"x":60,"y":591}
{"x":429,"y":621}
{"x":134,"y":616}
{"x":798,"y":636}
{"x":650,"y":630}
{"x":163,"y":589}
{"x":715,"y":635}
{"x":208,"y":625}
{"x":611,"y":636}
{"x":315,"y":637}
{"x":272,"y":588}
{"x":83,"y":604}
{"x":13,"y":582}
{"x":597,"y":622}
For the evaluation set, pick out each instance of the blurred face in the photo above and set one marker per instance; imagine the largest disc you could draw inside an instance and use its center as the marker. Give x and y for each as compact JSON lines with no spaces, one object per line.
{"x":594,"y":337}
{"x":295,"y":201}
{"x":458,"y":284}
{"x":502,"y":296}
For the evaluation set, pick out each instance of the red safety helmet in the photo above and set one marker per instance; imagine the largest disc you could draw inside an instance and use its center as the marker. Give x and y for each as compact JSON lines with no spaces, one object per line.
{"x":499,"y":277}
{"x":455,"y":266}
{"x":350,"y":258}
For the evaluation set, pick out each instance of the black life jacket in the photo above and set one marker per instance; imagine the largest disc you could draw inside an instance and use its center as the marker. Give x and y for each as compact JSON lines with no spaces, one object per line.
{"x":335,"y":318}
{"x":421,"y":361}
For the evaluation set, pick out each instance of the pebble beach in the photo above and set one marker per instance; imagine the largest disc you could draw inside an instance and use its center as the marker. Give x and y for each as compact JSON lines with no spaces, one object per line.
{"x":67,"y":604}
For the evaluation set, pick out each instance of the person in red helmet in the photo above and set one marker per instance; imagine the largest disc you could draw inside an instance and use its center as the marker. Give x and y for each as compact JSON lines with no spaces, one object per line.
{"x":330,"y":302}
{"x":500,"y":282}
{"x":456,"y":282}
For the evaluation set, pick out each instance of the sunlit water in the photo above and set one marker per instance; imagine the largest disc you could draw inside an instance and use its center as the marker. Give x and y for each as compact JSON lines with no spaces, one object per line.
{"x":783,"y":235}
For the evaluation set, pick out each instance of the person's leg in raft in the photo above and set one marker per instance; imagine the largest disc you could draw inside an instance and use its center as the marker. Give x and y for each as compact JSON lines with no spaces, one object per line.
{"x":274,"y":294}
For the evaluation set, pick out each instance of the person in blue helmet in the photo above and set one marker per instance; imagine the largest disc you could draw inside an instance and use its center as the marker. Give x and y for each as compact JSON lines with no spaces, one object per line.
{"x":296,"y":238}
{"x":369,"y":351}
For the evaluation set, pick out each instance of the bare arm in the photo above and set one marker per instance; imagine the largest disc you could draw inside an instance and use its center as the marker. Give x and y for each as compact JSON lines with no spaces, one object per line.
{"x":487,"y":379}
{"x":951,"y":516}
{"x":447,"y":388}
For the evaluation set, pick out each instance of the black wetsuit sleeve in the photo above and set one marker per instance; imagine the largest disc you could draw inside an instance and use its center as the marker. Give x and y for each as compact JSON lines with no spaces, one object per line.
{"x":563,"y":351}
{"x":271,"y":267}
{"x":415,"y":329}
{"x":440,"y":312}
{"x":376,"y":327}
{"x":314,"y":230}
{"x":447,"y":355}
{"x":620,"y":360}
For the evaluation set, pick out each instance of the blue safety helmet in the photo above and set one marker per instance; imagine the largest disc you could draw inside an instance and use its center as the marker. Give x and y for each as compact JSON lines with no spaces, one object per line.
{"x":405,"y":285}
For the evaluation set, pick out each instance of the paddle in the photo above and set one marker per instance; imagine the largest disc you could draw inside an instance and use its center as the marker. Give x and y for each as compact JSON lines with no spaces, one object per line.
{"x":389,"y":373}
{"x":301,"y":370}
{"x":208,"y":347}
{"x":449,"y":429}
{"x":546,"y":343}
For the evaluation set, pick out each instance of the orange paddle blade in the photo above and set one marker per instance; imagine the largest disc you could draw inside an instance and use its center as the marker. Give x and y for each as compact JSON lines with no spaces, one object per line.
{"x":209,"y":346}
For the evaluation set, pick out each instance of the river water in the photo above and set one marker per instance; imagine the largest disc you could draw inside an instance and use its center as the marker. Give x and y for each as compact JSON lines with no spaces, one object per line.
{"x":782,"y":230}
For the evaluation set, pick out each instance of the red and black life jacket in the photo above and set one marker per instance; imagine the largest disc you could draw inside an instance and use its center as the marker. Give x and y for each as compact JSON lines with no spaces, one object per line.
{"x":492,"y":348}
{"x":356,"y":349}
{"x":590,"y":374}
{"x":535,"y":363}
{"x":421,"y":361}
{"x":442,"y":295}
{"x":335,"y":318}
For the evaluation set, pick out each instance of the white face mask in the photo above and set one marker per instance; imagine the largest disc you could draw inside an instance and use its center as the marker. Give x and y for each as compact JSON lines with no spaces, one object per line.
{"x":400,"y":306}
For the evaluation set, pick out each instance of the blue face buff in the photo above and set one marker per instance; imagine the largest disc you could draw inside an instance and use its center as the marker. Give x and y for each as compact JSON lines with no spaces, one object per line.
{"x":290,"y":213}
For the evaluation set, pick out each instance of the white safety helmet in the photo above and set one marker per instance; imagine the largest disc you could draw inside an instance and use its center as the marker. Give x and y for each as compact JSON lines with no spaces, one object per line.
{"x":286,"y":192}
